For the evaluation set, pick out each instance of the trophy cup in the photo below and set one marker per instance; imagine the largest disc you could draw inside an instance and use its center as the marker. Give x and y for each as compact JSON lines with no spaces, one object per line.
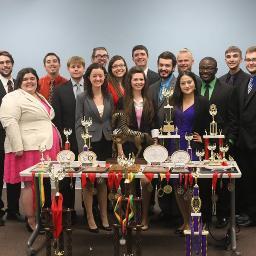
{"x":224,"y":150}
{"x":168,"y":127}
{"x":213,"y":124}
{"x":200,"y":154}
{"x":67,"y":132}
{"x":189,"y":138}
{"x":42,"y":149}
{"x":86,"y":123}
{"x":212,"y":147}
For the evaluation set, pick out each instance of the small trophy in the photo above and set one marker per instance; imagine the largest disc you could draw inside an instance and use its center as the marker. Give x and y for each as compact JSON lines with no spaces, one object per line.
{"x":189,"y":138}
{"x":224,"y":150}
{"x":200,"y":155}
{"x":42,"y":149}
{"x":213,"y":124}
{"x":168,"y":127}
{"x":212,"y":148}
{"x":125,"y":163}
{"x":67,"y":132}
{"x":86,"y":123}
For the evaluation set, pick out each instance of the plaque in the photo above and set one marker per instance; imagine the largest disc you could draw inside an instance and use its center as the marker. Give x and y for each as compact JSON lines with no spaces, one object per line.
{"x":65,"y":156}
{"x":87,"y":157}
{"x":155,"y":154}
{"x":180,"y":158}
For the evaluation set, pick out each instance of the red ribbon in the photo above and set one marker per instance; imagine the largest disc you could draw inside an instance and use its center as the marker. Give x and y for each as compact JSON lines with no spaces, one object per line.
{"x":149,"y":176}
{"x":118,"y":178}
{"x":70,"y":174}
{"x":180,"y":178}
{"x":168,"y":176}
{"x":206,"y":150}
{"x":214,"y":180}
{"x":126,"y":216}
{"x":230,"y":176}
{"x":186,"y":181}
{"x":83,"y":180}
{"x":92,"y":177}
{"x":57,"y":214}
{"x":190,"y":179}
{"x":111,"y":179}
{"x":67,"y":146}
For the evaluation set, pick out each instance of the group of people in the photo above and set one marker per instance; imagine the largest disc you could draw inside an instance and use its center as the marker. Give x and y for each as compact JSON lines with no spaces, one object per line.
{"x":34,"y":113}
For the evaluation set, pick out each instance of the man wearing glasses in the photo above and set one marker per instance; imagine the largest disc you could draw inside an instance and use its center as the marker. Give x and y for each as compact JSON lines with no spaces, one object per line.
{"x":243,"y":135}
{"x":100,"y":56}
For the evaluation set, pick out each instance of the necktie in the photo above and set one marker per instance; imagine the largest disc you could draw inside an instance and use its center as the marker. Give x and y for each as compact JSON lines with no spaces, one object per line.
{"x":250,"y":85}
{"x":78,"y":89}
{"x":231,"y":80}
{"x":51,"y":89}
{"x":9,"y":86}
{"x":206,"y":94}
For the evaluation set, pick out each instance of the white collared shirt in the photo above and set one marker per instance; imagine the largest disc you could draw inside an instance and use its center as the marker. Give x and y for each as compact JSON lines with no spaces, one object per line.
{"x":81,"y":85}
{"x":4,"y":82}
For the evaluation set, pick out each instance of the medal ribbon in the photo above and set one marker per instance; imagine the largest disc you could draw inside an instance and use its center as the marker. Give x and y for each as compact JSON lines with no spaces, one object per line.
{"x":214,"y":181}
{"x":118,"y":178}
{"x":57,"y":215}
{"x":111,"y":178}
{"x":186,"y":181}
{"x":149,"y":176}
{"x":116,"y":210}
{"x":83,"y":179}
{"x":180,"y":178}
{"x":168,"y":176}
{"x":41,"y":188}
{"x":129,"y":213}
{"x":92,"y":177}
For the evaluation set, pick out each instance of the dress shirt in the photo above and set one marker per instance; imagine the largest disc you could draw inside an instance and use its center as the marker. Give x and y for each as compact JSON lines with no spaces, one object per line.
{"x":80,"y":84}
{"x":211,"y":87}
{"x":4,"y":81}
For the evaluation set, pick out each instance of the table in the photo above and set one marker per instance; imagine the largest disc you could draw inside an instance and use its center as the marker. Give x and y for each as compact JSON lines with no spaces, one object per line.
{"x":203,"y":173}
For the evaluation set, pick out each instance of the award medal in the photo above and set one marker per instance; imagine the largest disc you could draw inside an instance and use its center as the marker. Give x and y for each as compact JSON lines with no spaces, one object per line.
{"x":214,"y":196}
{"x":168,"y":187}
{"x":180,"y":189}
{"x":230,"y":184}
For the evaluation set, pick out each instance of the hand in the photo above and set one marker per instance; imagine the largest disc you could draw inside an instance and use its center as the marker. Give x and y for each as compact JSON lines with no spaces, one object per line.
{"x":197,"y":137}
{"x":19,"y":153}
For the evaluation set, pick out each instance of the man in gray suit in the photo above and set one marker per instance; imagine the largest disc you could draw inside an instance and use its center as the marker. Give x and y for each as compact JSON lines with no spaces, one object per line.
{"x":166,"y":64}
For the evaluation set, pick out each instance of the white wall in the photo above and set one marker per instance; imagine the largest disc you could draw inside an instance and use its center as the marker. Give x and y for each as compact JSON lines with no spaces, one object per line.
{"x":31,"y":28}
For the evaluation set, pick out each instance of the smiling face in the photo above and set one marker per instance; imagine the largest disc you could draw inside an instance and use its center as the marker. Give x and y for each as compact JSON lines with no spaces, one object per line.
{"x":137,"y":82}
{"x":187,"y":85}
{"x":52,"y":65}
{"x":140,"y":58}
{"x":250,"y":62}
{"x":233,"y":60}
{"x":97,"y":77}
{"x":119,"y":68}
{"x":207,"y":70}
{"x":29,"y":83}
{"x":5,"y":66}
{"x":165,"y":68}
{"x":184,"y":61}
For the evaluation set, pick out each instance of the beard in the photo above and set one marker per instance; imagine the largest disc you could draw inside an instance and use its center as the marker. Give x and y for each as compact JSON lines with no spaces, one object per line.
{"x":6,"y":75}
{"x":165,"y":77}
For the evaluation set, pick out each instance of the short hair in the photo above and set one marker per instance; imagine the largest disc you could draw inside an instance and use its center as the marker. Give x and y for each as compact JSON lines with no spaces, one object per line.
{"x":7,"y":54}
{"x":94,"y":50}
{"x":22,"y":73}
{"x":168,"y":56}
{"x":76,"y":59}
{"x":209,"y":59}
{"x":251,"y":49}
{"x":51,"y":54}
{"x":233,"y":49}
{"x":139,"y":47}
{"x":185,"y":50}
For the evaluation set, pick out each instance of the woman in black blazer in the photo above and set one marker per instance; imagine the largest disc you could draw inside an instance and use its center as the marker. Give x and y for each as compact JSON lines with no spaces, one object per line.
{"x":191,"y":115}
{"x":97,"y":104}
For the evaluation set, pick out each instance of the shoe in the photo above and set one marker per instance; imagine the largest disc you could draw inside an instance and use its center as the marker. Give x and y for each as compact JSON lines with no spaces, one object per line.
{"x":93,"y":230}
{"x":15,"y":216}
{"x":2,"y":213}
{"x":28,"y":227}
{"x":107,"y":228}
{"x":221,"y":223}
{"x":144,"y":227}
{"x":179,"y":231}
{"x":248,"y":223}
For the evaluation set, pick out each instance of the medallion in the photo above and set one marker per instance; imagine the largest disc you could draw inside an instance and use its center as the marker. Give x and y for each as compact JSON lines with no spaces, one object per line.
{"x":167,"y":189}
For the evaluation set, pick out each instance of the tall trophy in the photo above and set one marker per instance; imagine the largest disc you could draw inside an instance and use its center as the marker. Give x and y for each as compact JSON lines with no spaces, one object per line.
{"x":168,"y":127}
{"x":213,"y":124}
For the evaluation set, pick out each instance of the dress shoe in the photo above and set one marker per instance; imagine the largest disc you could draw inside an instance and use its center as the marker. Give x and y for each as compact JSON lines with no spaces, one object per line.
{"x":93,"y":230}
{"x":15,"y":216}
{"x":221,"y":223}
{"x":107,"y":228}
{"x":144,"y":227}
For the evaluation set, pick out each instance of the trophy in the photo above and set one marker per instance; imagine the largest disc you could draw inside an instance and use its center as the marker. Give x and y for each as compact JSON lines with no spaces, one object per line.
{"x":212,"y":147}
{"x":86,"y":123}
{"x":42,"y":149}
{"x":168,"y":127}
{"x":224,"y":150}
{"x":67,"y":132}
{"x":125,"y":163}
{"x":213,"y":124}
{"x":188,"y":138}
{"x":200,"y":154}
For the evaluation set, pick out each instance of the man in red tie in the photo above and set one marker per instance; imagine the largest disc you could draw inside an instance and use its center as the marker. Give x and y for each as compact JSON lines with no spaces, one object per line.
{"x":53,"y":77}
{"x":13,"y":190}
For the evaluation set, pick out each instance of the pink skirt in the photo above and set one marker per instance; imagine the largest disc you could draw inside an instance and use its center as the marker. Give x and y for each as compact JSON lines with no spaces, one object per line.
{"x":13,"y":165}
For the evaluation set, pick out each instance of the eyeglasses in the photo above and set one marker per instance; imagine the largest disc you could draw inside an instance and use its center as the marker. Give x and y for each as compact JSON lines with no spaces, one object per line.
{"x":118,"y":66}
{"x":99,"y":56}
{"x":250,"y":60}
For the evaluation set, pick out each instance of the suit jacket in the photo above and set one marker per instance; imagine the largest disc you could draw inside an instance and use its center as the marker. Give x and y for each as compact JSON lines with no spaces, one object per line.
{"x":152,"y":77}
{"x":221,"y":97}
{"x":2,"y":131}
{"x":26,"y":121}
{"x":243,"y":117}
{"x":159,"y":106}
{"x":239,"y":78}
{"x":64,"y":104}
{"x":85,"y":107}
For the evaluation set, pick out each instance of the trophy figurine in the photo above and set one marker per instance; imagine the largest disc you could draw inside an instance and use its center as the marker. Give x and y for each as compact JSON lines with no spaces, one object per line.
{"x":212,"y":148}
{"x":67,"y":132}
{"x":125,"y":163}
{"x":42,"y":149}
{"x":200,"y":154}
{"x":213,"y":124}
{"x":168,"y":127}
{"x":224,"y":150}
{"x":86,"y":123}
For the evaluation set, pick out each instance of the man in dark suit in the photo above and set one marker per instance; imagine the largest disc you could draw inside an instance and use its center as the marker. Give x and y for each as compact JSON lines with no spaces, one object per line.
{"x":243,"y":135}
{"x":140,"y":58}
{"x":13,"y":190}
{"x":235,"y":76}
{"x":219,"y":94}
{"x":64,"y":104}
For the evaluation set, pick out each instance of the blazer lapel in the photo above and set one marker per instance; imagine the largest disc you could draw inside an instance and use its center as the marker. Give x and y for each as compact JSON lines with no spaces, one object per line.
{"x":93,"y":107}
{"x":2,"y":90}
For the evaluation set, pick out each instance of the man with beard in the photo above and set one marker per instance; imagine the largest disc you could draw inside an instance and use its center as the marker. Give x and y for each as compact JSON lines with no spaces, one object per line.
{"x":166,"y":64}
{"x":235,"y":76}
{"x":217,"y":93}
{"x":140,"y":58}
{"x":13,"y":190}
{"x":100,"y":56}
{"x":243,"y":135}
{"x":53,"y":78}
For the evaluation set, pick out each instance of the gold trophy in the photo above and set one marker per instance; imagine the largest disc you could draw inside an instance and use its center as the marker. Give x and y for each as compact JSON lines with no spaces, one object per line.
{"x":213,"y":124}
{"x":42,"y":149}
{"x":212,"y":147}
{"x":224,"y":150}
{"x":168,"y":127}
{"x":200,"y":154}
{"x":125,"y":162}
{"x":86,"y":123}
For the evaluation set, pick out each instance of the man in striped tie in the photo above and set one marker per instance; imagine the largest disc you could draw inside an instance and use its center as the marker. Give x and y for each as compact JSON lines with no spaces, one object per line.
{"x":243,"y":135}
